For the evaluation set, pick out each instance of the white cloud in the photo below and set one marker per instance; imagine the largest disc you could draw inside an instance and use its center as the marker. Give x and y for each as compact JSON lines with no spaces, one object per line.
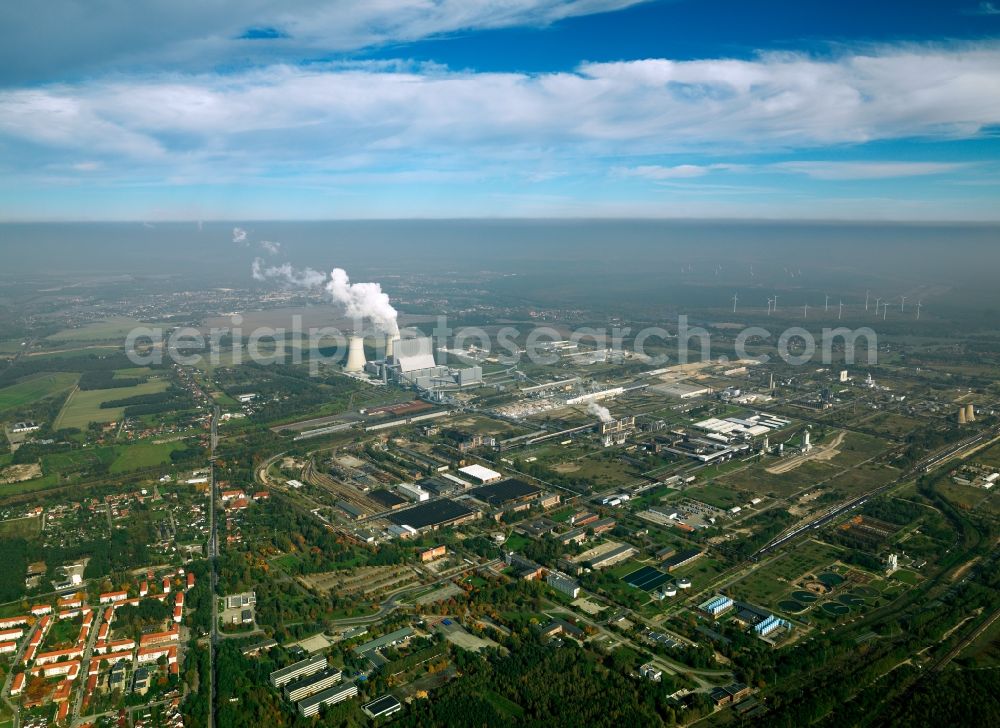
{"x":867,"y":170}
{"x":244,"y":123}
{"x":680,"y":171}
{"x":70,"y":37}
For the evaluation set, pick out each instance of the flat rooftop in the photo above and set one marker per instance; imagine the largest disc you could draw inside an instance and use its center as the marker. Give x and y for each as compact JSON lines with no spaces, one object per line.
{"x":506,"y":491}
{"x":435,"y":513}
{"x":387,"y":498}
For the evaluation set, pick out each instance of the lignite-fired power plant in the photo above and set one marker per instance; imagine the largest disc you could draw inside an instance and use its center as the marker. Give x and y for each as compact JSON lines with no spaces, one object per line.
{"x":408,"y":362}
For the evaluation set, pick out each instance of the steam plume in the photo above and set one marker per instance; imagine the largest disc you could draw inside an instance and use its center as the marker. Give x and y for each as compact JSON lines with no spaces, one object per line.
{"x":271,"y":247}
{"x":285,"y":273}
{"x":363,"y":300}
{"x":239,"y":235}
{"x":599,"y":411}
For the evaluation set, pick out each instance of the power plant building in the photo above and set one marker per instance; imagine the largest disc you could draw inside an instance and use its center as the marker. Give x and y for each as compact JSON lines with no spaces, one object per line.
{"x":410,"y":362}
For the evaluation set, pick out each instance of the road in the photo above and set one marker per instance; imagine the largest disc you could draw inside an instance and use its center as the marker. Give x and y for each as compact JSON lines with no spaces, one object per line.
{"x":18,"y":657}
{"x":88,"y":651}
{"x":213,"y":560}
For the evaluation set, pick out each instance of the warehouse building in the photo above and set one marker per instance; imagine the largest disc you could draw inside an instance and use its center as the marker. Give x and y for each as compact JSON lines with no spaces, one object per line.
{"x":682,"y":559}
{"x":433,"y":515}
{"x":506,"y":492}
{"x":386,"y":705}
{"x":330,"y":696}
{"x":388,"y":640}
{"x":302,"y":668}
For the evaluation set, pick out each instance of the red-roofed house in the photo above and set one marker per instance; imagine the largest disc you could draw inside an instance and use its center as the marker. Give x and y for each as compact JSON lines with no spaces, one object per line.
{"x":156,"y":638}
{"x":12,"y":622}
{"x":48,"y":657}
{"x":178,"y":613}
{"x":190,"y":580}
{"x":261,"y":495}
{"x":70,"y":602}
{"x":166,"y":585}
{"x":11,"y":634}
{"x":7,"y":647}
{"x":112,"y":597}
{"x":63,"y":712}
{"x":17,"y":685}
{"x":69,"y":669}
{"x":40,"y":609}
{"x":228,"y":495}
{"x":152,"y":654}
{"x":144,"y":589}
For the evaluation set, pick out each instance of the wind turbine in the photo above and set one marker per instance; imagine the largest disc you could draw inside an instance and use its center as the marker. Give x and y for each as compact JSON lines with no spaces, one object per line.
{"x":769,"y":302}
{"x":902,"y":303}
{"x":826,"y":306}
{"x":867,"y":291}
{"x":840,"y":313}
{"x":919,"y":304}
{"x":876,"y":306}
{"x":735,"y":299}
{"x":775,"y":302}
{"x":885,"y":310}
{"x":805,"y":310}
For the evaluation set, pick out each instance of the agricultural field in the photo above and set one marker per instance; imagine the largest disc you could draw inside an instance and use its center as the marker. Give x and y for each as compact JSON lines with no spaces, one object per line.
{"x":35,"y":388}
{"x":20,"y":528}
{"x":82,"y":408}
{"x":114,"y":329}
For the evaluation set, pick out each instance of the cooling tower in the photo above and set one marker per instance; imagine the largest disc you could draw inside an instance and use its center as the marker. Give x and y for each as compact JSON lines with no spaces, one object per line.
{"x":355,"y":355}
{"x":389,"y":339}
{"x":961,"y":416}
{"x":970,"y":413}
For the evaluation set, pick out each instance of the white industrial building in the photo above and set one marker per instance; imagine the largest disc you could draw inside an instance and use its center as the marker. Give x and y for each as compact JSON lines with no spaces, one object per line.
{"x":480,"y":474}
{"x":413,"y":492}
{"x":410,"y":362}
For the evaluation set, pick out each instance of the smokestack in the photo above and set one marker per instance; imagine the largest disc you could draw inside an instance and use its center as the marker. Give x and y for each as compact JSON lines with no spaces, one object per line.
{"x":961,"y":416}
{"x":355,"y":355}
{"x":970,"y":413}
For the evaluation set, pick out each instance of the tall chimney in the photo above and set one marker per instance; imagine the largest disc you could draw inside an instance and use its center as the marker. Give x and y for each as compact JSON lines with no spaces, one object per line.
{"x":355,"y":355}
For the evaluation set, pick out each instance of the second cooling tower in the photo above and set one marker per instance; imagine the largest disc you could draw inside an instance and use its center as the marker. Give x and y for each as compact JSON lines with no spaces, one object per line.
{"x":970,"y":413}
{"x":355,"y":355}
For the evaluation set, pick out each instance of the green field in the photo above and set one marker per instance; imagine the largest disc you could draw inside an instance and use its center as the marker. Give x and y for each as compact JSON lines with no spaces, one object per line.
{"x":82,"y":408}
{"x":35,"y":388}
{"x":143,"y":455}
{"x":113,"y":329}
{"x":20,"y":528}
{"x":771,"y":582}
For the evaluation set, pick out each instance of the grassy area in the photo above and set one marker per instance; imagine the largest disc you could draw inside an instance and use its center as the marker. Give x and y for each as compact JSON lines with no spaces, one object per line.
{"x":716,"y":495}
{"x":143,"y":455}
{"x":20,"y":528}
{"x":773,"y":581}
{"x":111,"y":330}
{"x":82,"y":408}
{"x":35,"y":388}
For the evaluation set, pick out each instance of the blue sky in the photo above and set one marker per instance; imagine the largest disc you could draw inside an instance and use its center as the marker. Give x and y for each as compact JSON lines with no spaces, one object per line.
{"x":219,"y":109}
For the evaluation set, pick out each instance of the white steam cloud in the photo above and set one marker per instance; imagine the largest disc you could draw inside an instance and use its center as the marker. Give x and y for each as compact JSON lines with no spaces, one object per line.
{"x":285,"y":273}
{"x":239,"y":235}
{"x":271,"y":247}
{"x":359,"y":300}
{"x":363,"y":300}
{"x":599,"y":411}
